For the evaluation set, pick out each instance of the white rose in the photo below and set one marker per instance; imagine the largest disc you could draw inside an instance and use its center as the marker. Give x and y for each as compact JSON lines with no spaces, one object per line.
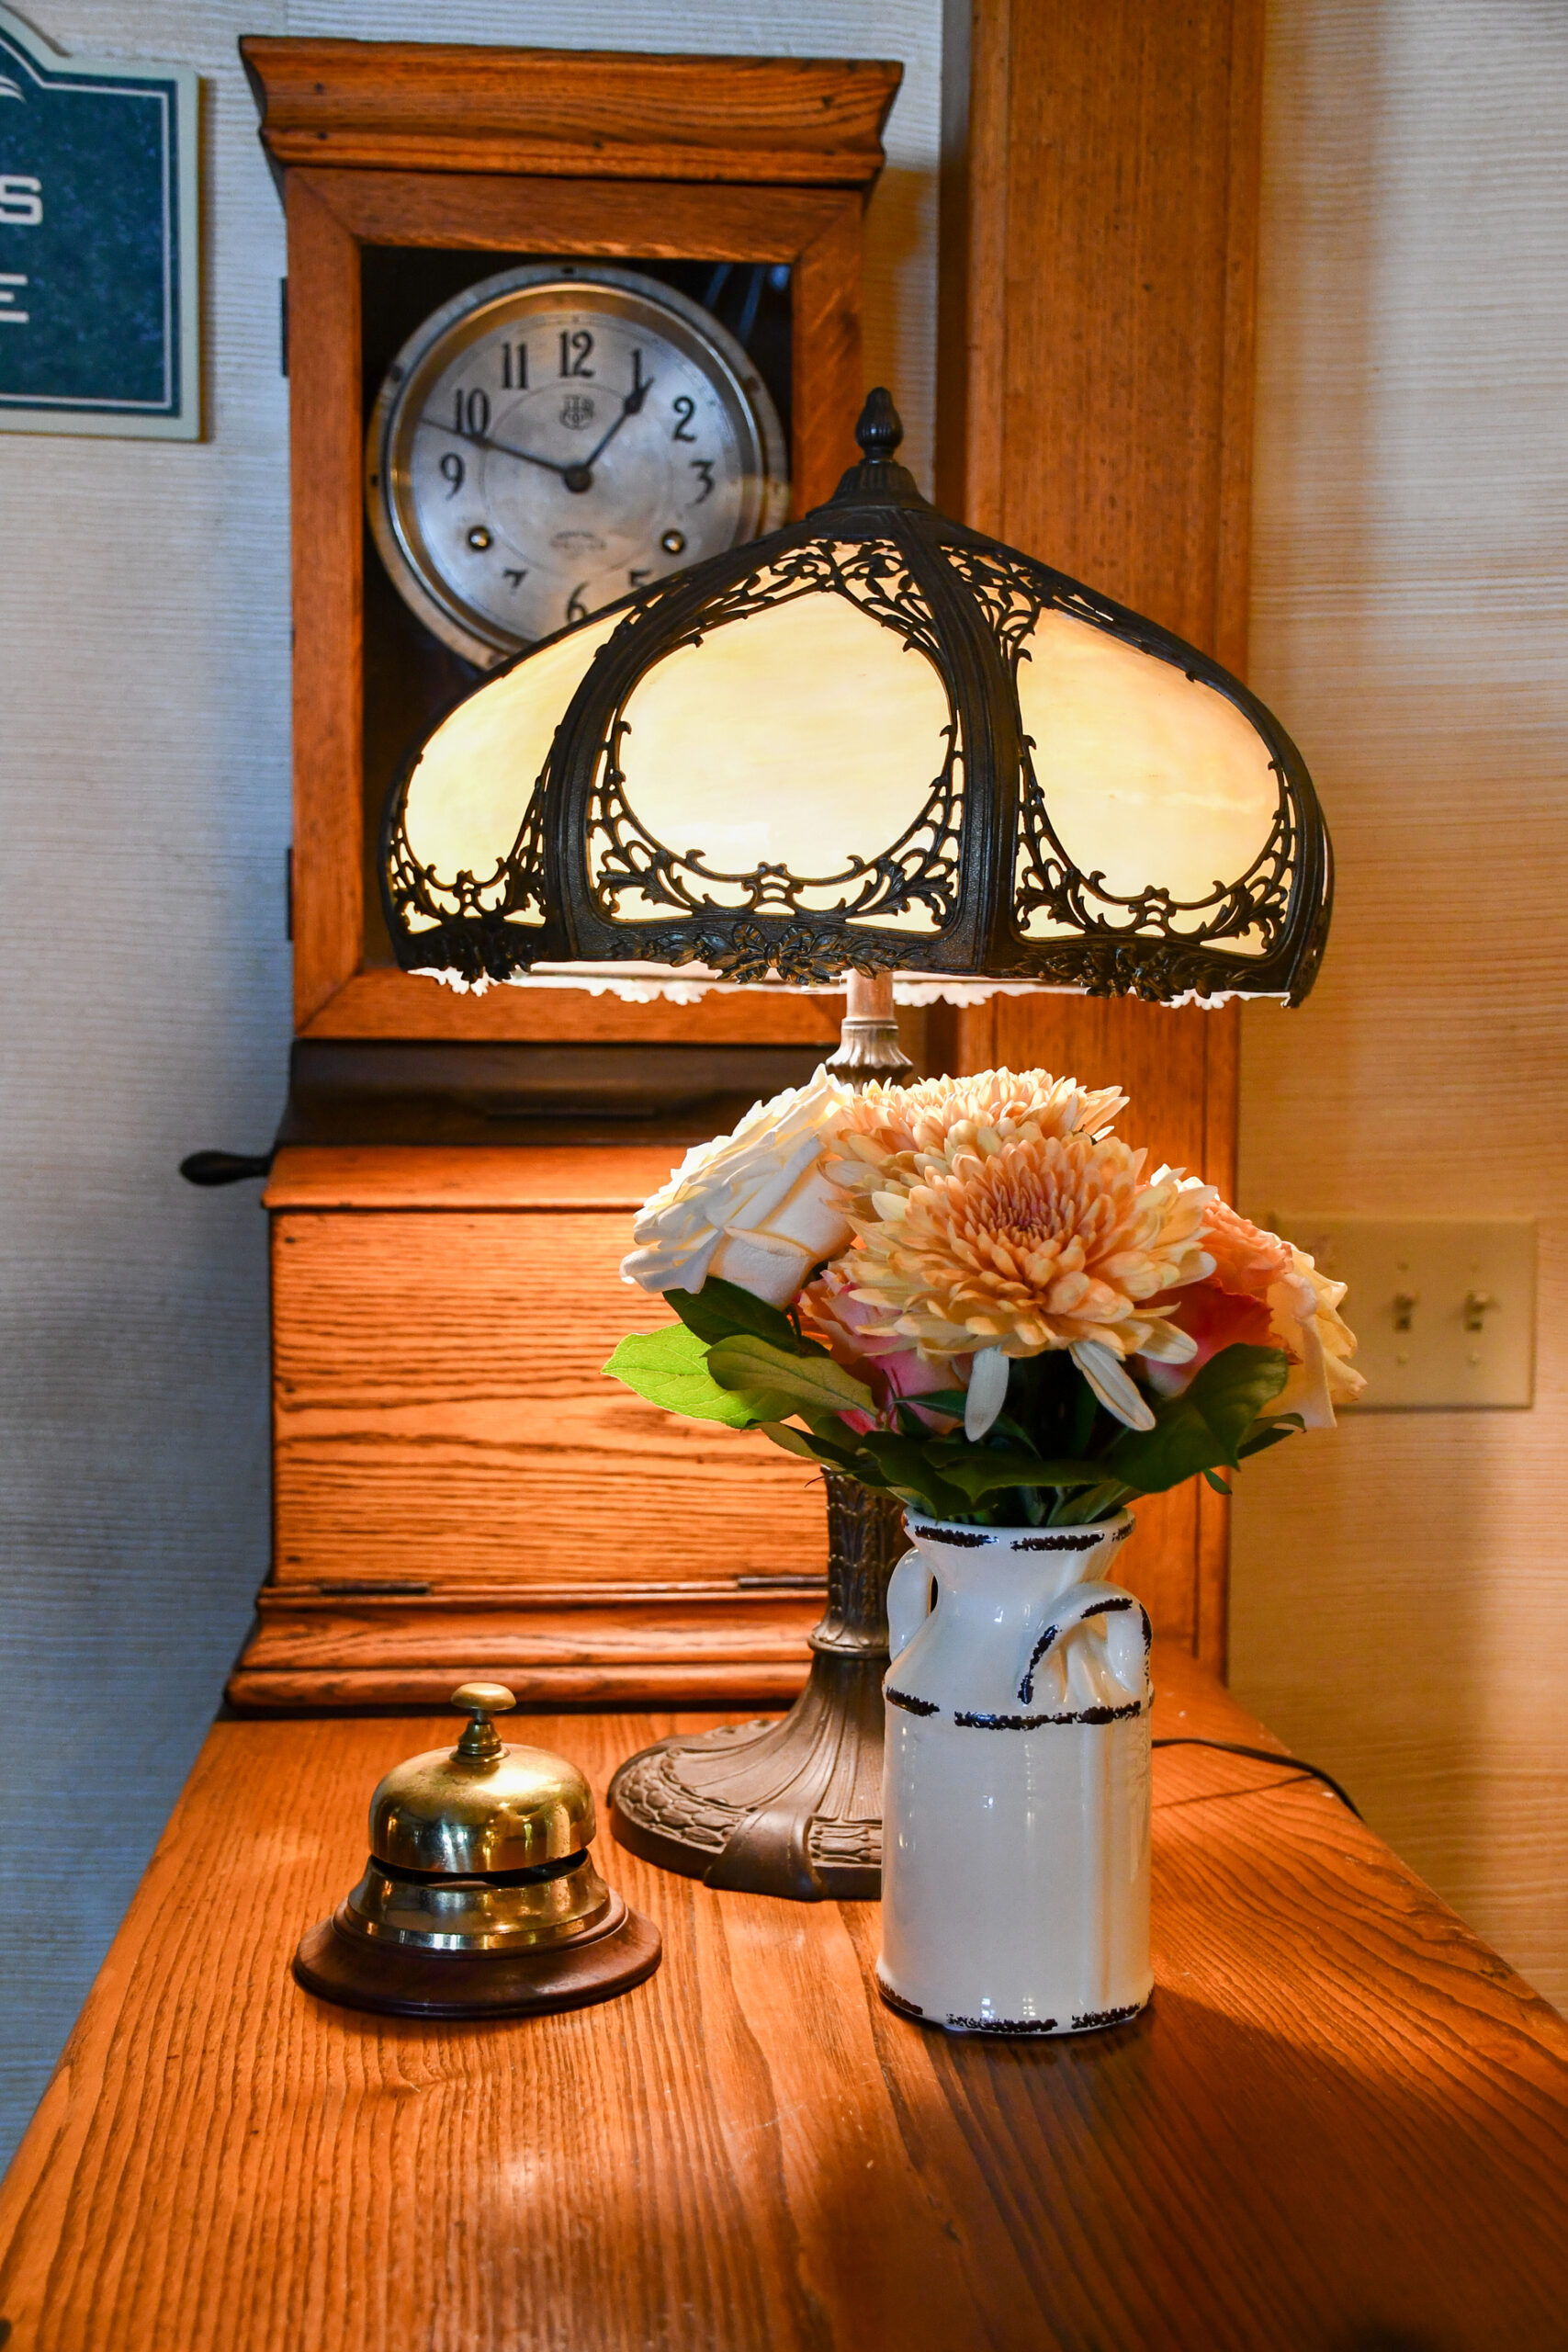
{"x":754,"y":1207}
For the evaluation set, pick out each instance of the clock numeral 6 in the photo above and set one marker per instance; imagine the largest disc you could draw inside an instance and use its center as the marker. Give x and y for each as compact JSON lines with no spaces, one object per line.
{"x":576,"y":610}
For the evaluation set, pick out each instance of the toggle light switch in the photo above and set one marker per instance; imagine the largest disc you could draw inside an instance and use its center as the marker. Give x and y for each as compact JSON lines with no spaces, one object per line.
{"x":1444,"y":1313}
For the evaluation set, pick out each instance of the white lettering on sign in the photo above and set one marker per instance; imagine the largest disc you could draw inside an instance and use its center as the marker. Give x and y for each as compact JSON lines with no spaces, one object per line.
{"x":21,"y":200}
{"x":9,"y":315}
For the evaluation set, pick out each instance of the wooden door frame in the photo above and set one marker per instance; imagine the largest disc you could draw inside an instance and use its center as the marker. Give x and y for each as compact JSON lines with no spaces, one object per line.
{"x":1100,"y":219}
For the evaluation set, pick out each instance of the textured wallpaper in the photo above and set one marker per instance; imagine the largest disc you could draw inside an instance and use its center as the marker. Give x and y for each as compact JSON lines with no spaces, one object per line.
{"x":144,"y":780}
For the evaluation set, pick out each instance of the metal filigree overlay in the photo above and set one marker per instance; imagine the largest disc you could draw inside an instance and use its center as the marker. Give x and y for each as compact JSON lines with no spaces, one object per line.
{"x":979,"y":882}
{"x":919,"y":869}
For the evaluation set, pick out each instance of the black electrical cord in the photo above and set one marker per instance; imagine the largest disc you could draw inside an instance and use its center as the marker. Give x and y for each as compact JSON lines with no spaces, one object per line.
{"x":1269,"y":1756}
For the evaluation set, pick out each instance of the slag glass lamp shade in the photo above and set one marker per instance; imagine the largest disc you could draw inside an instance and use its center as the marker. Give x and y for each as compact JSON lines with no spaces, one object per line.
{"x":873,"y":740}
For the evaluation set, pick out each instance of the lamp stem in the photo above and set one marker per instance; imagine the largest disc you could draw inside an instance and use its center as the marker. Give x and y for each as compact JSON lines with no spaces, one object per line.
{"x":794,"y":1808}
{"x":868,"y":1041}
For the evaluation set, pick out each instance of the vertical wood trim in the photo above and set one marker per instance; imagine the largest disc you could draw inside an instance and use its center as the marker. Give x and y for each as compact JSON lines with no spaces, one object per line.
{"x":827,"y":387}
{"x":1244,"y":213}
{"x":328,"y":555}
{"x":1100,"y":246}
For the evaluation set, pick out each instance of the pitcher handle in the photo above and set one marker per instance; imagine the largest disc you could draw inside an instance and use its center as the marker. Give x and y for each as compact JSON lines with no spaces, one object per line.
{"x":908,"y":1601}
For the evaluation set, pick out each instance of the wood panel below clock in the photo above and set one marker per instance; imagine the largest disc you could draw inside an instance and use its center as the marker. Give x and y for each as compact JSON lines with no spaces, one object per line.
{"x":602,"y":1645}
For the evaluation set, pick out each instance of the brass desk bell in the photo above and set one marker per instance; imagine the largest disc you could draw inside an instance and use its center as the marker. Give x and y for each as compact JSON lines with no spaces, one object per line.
{"x":480,"y":1898}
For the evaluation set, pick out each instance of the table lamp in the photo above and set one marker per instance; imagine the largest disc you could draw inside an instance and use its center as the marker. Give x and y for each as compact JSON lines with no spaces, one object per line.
{"x":877,"y":746}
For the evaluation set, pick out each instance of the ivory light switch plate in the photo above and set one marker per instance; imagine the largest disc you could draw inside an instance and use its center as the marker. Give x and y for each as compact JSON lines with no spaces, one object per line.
{"x":1444,"y":1313}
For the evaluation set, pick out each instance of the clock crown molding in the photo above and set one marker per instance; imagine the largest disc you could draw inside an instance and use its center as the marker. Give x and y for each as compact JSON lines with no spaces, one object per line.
{"x":434,"y":107}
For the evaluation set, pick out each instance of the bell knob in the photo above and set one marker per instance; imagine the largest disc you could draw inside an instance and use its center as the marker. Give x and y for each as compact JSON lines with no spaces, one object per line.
{"x":482,"y":1806}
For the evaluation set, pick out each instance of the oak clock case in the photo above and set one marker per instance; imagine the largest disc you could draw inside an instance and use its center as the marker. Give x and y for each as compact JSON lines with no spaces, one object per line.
{"x":556,"y":437}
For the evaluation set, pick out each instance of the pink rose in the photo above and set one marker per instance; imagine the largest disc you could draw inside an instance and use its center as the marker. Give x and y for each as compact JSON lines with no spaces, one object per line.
{"x":829,"y":1312}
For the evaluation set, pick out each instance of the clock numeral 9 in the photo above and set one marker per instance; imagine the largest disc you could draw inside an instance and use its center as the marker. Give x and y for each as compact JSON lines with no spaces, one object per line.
{"x":685,"y":410}
{"x":470,"y":413}
{"x":575,"y":348}
{"x":452,"y":467}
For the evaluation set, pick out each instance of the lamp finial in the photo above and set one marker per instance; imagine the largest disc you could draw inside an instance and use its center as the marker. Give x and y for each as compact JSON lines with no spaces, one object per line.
{"x":881,"y":428}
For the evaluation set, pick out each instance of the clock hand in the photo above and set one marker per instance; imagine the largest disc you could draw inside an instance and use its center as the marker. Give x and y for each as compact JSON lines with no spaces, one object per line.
{"x":629,"y":407}
{"x":481,"y":441}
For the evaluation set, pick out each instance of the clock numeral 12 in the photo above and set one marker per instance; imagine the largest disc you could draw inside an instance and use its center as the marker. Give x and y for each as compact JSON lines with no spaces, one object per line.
{"x":575,"y":345}
{"x":513,"y":369}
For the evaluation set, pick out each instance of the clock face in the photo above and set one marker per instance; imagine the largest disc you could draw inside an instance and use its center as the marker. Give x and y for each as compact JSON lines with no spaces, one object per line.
{"x":555,"y":438}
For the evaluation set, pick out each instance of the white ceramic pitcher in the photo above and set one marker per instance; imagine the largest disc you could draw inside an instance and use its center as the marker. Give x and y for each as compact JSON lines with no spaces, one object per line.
{"x":1015,"y":1842}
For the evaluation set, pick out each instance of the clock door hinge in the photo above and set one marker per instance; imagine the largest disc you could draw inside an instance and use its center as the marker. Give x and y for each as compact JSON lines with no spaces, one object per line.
{"x":283,"y":326}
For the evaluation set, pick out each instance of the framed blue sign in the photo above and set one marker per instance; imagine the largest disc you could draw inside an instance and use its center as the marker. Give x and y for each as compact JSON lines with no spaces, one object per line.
{"x":99,"y":316}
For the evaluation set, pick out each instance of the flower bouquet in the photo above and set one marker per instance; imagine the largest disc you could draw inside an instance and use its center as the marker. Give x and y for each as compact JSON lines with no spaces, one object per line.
{"x":969,"y":1294}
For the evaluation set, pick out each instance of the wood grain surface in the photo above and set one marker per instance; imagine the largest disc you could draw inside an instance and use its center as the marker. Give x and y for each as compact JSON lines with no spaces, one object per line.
{"x":442,"y":1415}
{"x":1342,"y":2126}
{"x":358,"y":1176}
{"x":439,"y":107}
{"x":1099,"y":239}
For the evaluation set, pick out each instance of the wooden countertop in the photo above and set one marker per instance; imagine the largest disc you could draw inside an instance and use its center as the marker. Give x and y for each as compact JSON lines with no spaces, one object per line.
{"x":1343,"y":2122}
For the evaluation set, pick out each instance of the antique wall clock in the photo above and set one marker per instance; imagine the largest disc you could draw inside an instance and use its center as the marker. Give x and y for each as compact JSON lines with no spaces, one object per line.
{"x":434,"y":196}
{"x":558,"y":434}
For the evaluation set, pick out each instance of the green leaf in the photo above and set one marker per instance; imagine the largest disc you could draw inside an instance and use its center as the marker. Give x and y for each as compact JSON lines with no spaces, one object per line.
{"x":1203,"y":1429}
{"x":1090,"y":1504}
{"x":804,"y":1383}
{"x":1270,"y":1432}
{"x":720,"y":1309}
{"x":670,"y":1368}
{"x":815,"y":1446}
{"x":979,"y":1470}
{"x":951,"y":1401}
{"x":907,"y":1468}
{"x":1213,"y":1479}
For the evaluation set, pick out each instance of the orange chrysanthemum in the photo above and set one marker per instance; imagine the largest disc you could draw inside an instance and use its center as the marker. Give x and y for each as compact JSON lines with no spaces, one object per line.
{"x":888,"y":1132}
{"x":1031,"y":1243}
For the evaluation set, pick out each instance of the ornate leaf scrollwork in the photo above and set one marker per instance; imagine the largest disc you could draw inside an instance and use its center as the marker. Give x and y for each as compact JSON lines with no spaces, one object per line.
{"x":470,"y":924}
{"x":800,"y":956}
{"x":918,"y":870}
{"x":1117,"y":934}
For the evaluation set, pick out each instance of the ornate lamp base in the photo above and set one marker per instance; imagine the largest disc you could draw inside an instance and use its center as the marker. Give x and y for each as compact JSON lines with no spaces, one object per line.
{"x":791,"y":1808}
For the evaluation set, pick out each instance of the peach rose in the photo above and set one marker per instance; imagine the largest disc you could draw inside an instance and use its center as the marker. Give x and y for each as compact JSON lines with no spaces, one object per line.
{"x":1264,"y":1293}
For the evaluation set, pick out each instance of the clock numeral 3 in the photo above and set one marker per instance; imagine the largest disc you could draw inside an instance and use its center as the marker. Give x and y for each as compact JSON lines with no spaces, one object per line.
{"x":702,"y":466}
{"x":575,"y":348}
{"x":685,"y":410}
{"x":470,"y":413}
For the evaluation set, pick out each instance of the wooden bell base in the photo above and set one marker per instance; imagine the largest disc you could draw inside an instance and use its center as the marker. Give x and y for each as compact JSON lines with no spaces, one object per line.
{"x":362,"y":1975}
